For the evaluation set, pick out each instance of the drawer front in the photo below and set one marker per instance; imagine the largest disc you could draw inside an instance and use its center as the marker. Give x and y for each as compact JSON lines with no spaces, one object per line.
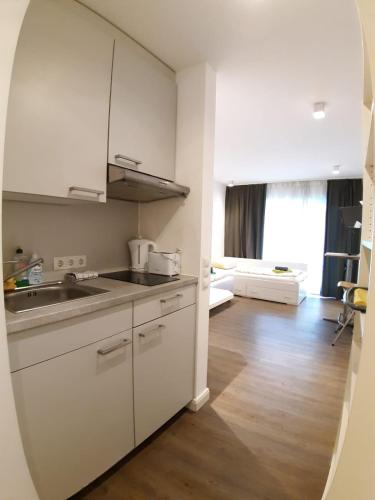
{"x":149,"y":309}
{"x":272,"y":295}
{"x":39,"y":344}
{"x":163,"y":370}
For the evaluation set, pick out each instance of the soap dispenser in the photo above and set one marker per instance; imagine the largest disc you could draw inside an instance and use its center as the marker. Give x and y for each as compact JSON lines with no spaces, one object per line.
{"x":36,"y":272}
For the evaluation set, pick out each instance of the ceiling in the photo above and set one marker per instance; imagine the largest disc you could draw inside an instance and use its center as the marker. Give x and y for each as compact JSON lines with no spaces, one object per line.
{"x":274,"y":59}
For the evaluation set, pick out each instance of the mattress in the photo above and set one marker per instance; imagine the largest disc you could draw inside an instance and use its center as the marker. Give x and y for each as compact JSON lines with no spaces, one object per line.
{"x":284,"y":290}
{"x":251,"y":286}
{"x":221,"y":273}
{"x":273,"y":279}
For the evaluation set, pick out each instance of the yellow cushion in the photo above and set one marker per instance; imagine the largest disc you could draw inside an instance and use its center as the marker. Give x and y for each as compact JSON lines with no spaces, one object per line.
{"x":229,"y":264}
{"x":218,"y":265}
{"x":360,"y":297}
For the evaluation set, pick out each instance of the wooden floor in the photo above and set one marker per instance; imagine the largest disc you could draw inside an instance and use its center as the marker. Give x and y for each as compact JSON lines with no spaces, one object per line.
{"x":269,"y":428}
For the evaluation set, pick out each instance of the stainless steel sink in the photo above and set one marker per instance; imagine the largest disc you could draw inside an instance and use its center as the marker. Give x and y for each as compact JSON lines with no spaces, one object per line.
{"x":48,"y":294}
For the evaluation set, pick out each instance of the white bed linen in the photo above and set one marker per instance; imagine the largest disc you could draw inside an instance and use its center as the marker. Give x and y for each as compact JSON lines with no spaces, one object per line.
{"x":267,"y":271}
{"x":273,"y":278}
{"x":221,"y":273}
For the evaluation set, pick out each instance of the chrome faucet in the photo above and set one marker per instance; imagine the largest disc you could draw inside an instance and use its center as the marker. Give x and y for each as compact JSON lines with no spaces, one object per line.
{"x":23,"y":269}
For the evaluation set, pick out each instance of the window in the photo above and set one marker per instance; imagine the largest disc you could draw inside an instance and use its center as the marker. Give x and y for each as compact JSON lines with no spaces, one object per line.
{"x":295,"y":226}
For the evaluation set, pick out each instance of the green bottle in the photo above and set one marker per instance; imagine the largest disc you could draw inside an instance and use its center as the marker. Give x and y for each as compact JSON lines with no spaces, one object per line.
{"x":20,"y":262}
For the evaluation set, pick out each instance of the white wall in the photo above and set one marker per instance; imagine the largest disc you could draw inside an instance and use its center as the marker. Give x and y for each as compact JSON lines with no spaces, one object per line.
{"x":218,"y":220}
{"x":15,"y":480}
{"x":353,"y":478}
{"x":186,"y":224}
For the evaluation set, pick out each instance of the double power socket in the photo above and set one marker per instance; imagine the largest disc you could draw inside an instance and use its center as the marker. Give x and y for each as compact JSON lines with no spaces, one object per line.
{"x":71,"y":262}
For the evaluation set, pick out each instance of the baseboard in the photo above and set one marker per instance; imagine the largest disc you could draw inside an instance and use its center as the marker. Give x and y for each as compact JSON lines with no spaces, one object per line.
{"x":197,"y":403}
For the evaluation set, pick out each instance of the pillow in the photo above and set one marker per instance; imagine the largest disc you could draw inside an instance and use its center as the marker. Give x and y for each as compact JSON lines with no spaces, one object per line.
{"x":228,"y":264}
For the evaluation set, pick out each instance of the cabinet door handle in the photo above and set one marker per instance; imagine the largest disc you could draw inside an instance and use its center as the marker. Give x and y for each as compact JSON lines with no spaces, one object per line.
{"x":177,"y":296}
{"x":154,"y":329}
{"x":128,"y":159}
{"x":97,"y":192}
{"x":106,"y":350}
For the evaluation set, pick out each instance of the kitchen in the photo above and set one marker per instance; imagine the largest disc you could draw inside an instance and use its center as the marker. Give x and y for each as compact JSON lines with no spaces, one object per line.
{"x":83,"y":96}
{"x":108,"y":135}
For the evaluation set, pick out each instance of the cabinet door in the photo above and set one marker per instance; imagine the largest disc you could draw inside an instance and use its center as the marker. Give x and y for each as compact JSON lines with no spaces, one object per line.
{"x":143,"y":112}
{"x":76,"y":415}
{"x":163,"y":370}
{"x":57,"y":125}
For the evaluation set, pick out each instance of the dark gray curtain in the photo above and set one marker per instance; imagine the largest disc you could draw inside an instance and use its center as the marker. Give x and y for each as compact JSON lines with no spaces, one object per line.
{"x":244,"y":221}
{"x":340,"y":193}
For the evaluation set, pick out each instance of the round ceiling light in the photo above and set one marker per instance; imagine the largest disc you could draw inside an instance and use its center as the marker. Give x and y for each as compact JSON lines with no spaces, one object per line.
{"x":319,"y":111}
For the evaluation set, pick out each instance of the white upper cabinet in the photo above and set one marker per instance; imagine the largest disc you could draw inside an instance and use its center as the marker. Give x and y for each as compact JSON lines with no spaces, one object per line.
{"x":142,"y":132}
{"x":57,"y":123}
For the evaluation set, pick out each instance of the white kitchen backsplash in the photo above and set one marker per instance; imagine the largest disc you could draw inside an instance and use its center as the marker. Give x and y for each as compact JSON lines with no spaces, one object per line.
{"x":100,"y":232}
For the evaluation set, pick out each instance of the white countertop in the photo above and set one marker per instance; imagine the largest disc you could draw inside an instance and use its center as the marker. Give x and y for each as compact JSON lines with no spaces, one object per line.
{"x":119,"y":292}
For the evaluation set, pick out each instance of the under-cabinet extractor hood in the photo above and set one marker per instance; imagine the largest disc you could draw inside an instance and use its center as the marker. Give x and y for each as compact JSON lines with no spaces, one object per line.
{"x":126,"y":184}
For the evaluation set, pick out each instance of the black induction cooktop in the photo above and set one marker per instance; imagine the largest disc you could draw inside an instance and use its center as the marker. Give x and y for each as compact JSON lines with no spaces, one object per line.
{"x":146,"y":279}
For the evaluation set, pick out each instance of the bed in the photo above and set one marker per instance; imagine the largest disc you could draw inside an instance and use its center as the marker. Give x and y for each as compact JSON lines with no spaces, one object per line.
{"x":255,"y":278}
{"x":221,"y":290}
{"x":223,"y":279}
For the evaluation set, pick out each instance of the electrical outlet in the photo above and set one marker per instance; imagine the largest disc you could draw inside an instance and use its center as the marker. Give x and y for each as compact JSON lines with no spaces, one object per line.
{"x":80,"y":261}
{"x":59,"y":263}
{"x":69,"y":262}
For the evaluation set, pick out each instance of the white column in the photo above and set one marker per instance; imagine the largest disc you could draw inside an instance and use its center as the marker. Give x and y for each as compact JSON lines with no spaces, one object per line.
{"x":186,"y":224}
{"x":15,"y":480}
{"x":218,"y":220}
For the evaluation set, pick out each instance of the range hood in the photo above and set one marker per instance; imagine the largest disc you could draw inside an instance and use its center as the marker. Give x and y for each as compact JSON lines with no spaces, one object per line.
{"x":127,"y":184}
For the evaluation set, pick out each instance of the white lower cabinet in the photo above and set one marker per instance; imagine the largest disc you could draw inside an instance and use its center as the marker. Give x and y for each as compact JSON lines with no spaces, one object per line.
{"x":163,"y":369}
{"x":89,"y":389}
{"x":76,"y":414}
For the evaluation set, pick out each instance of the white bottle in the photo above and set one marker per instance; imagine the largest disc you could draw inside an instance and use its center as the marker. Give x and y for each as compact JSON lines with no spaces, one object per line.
{"x":36,"y":272}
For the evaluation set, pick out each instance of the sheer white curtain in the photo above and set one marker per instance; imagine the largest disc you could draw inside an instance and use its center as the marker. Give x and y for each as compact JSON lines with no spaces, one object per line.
{"x":295,"y":226}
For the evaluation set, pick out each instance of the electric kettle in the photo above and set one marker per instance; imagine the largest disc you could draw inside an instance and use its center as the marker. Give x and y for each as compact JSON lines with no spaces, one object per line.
{"x":139,"y":248}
